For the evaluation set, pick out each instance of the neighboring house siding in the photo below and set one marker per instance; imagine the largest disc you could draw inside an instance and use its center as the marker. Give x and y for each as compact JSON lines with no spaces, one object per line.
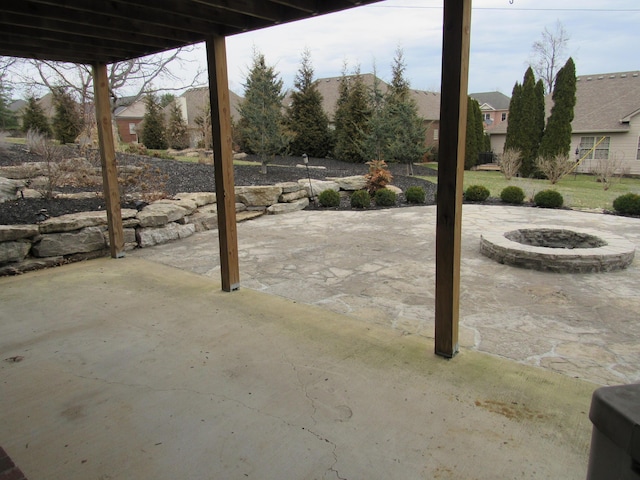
{"x":128,"y":129}
{"x":623,"y":149}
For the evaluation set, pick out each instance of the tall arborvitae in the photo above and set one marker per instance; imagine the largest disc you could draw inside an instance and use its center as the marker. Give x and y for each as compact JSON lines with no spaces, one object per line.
{"x":557,"y":135}
{"x":474,"y":143}
{"x":153,"y":135}
{"x":66,"y":120}
{"x":524,"y":130}
{"x":351,"y":119}
{"x":34,"y":118}
{"x":306,"y":118}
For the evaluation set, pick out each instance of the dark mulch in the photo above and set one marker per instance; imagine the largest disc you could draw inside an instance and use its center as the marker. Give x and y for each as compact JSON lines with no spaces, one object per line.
{"x":196,"y":177}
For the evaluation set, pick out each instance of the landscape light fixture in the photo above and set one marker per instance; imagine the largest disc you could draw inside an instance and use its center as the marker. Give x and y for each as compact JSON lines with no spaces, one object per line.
{"x":305,"y":160}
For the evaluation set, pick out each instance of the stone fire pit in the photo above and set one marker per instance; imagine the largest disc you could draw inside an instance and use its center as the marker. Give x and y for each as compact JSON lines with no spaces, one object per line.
{"x":558,"y":249}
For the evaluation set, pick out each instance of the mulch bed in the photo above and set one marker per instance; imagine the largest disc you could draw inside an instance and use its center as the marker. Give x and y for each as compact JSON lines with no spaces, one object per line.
{"x":196,"y":177}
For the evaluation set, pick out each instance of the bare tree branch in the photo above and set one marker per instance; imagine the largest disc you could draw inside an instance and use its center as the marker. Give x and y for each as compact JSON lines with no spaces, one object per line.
{"x":549,"y":55}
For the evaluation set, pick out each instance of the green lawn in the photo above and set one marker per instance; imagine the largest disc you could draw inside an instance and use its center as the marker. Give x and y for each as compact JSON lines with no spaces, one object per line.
{"x":578,"y":192}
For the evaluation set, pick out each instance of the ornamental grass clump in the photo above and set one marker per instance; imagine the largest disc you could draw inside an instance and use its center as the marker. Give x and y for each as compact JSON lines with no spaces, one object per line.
{"x":415,"y":195}
{"x":360,"y":199}
{"x":548,"y":199}
{"x":476,"y":193}
{"x":329,"y":198}
{"x":385,"y":197}
{"x":512,"y":194}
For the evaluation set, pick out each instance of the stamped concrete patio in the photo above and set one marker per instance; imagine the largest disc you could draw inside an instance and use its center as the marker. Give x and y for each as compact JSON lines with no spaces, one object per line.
{"x":118,"y":369}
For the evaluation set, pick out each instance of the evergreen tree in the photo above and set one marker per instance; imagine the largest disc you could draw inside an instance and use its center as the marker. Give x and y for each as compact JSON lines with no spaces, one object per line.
{"x":557,"y":135}
{"x":307,"y":120}
{"x":406,"y":128}
{"x":153,"y":124}
{"x":474,"y":140}
{"x":375,"y":142}
{"x":262,"y":125}
{"x":351,"y":119}
{"x":35,"y":119}
{"x":8,"y":120}
{"x":167,"y":99}
{"x":66,"y":121}
{"x":177,"y":135}
{"x":525,"y":129}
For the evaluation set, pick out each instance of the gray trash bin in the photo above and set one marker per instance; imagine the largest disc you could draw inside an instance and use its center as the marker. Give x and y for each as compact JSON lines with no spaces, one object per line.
{"x":615,"y":441}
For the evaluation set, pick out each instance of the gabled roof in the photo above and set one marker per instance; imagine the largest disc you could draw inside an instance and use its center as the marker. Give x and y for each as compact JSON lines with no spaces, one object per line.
{"x":101,"y":31}
{"x":605,"y":102}
{"x":492,"y":100}
{"x":428,"y":102}
{"x":198,"y":98}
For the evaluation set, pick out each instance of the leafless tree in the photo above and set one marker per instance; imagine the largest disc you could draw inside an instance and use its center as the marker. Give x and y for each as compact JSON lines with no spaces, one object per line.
{"x":554,"y":168}
{"x":606,"y":168}
{"x":148,"y":74}
{"x":549,"y":55}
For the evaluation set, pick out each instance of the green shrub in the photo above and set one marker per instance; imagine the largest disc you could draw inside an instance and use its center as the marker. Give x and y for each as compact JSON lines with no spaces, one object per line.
{"x":548,"y":199}
{"x":329,"y":198}
{"x":627,"y":204}
{"x":476,"y":193}
{"x":360,"y":199}
{"x":415,"y":195}
{"x":512,"y":194}
{"x":385,"y":197}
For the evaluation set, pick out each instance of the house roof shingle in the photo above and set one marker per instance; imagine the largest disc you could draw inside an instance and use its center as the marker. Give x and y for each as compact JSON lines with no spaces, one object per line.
{"x":494,"y":100}
{"x":605,"y":102}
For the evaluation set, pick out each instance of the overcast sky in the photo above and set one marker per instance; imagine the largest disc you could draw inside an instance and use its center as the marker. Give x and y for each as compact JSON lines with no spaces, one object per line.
{"x":603,"y":34}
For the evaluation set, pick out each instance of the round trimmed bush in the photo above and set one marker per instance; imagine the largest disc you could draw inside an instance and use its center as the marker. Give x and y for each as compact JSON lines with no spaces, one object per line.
{"x":627,"y":204}
{"x":512,"y":194}
{"x":360,"y":199}
{"x":415,"y":195}
{"x":385,"y":197}
{"x":476,"y":193}
{"x":548,"y":199}
{"x":329,"y":198}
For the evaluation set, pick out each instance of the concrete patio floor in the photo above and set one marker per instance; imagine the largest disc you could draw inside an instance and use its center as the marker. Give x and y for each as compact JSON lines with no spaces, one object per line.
{"x":133,"y":368}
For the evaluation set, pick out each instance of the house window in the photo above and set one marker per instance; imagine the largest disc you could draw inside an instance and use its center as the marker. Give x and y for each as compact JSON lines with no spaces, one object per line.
{"x":638,"y":154}
{"x":435,"y":134}
{"x":486,"y":116}
{"x":600,"y":152}
{"x":504,"y":116}
{"x":132,"y":128}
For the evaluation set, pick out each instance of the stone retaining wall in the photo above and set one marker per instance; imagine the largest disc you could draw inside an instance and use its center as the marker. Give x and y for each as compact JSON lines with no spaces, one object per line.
{"x":85,"y":235}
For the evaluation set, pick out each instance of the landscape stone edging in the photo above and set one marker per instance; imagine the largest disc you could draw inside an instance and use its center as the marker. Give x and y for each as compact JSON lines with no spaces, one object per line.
{"x":83,"y":235}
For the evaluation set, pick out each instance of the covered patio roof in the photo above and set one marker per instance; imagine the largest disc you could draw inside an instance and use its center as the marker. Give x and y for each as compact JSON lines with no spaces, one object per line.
{"x":103,"y":32}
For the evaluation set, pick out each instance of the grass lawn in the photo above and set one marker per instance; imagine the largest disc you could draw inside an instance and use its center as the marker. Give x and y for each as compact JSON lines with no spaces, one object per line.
{"x":578,"y":192}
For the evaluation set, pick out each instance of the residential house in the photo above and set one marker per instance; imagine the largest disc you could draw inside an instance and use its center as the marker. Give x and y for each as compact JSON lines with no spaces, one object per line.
{"x":194,"y":103}
{"x":128,"y":115}
{"x":494,"y":107}
{"x":428,"y":103}
{"x":606,"y":124}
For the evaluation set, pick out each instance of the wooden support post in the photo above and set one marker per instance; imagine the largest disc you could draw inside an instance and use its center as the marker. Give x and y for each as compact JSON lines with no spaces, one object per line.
{"x":223,"y":162}
{"x":108,"y":160}
{"x":453,"y":126}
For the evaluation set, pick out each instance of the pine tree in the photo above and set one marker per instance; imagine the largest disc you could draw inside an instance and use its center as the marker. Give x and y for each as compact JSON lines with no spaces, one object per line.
{"x":351,"y":119}
{"x":177,"y":135}
{"x":35,"y":119}
{"x":374,"y":144}
{"x":262,"y":124}
{"x":557,"y":135}
{"x":307,"y":120}
{"x":66,"y":121}
{"x":153,"y":124}
{"x":8,"y":120}
{"x":406,"y":128}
